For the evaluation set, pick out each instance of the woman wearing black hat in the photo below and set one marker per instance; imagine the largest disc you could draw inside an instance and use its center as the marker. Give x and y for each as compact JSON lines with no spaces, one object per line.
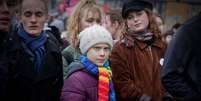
{"x":135,"y":58}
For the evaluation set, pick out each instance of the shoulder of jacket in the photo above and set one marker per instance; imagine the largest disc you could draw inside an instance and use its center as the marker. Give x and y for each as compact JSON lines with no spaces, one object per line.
{"x":74,"y":67}
{"x":13,"y":42}
{"x":69,"y":49}
{"x":121,"y":45}
{"x":52,"y":37}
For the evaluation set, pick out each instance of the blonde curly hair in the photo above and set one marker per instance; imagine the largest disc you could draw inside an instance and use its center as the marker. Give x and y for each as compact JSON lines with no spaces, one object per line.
{"x":74,"y":21}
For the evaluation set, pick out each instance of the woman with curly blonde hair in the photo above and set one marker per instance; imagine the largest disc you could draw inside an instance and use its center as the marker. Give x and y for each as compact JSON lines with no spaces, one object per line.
{"x":135,"y":58}
{"x":85,"y":14}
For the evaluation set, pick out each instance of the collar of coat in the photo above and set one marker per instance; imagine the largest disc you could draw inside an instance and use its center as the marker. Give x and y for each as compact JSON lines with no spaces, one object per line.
{"x":142,"y":45}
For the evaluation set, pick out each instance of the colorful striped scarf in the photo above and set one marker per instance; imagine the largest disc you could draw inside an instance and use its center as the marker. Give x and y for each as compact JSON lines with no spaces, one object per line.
{"x":105,"y":85}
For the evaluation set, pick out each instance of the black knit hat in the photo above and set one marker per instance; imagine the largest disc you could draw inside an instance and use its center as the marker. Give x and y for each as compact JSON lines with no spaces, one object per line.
{"x":135,"y":5}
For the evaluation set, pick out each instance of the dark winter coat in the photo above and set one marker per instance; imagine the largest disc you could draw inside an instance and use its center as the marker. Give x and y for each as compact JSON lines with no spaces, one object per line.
{"x":26,"y":85}
{"x":181,"y":74}
{"x":3,"y":63}
{"x":79,"y":85}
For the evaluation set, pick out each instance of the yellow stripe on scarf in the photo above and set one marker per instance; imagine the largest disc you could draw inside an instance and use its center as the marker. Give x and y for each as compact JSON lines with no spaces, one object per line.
{"x":103,"y":85}
{"x":104,"y":79}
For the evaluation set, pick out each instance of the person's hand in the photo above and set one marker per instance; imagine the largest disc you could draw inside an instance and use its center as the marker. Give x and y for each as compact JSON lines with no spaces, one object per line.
{"x":168,"y":97}
{"x":145,"y":97}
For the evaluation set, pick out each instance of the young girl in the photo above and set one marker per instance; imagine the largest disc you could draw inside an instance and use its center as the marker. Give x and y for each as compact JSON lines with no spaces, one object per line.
{"x":89,"y":78}
{"x":135,"y":58}
{"x":85,"y":14}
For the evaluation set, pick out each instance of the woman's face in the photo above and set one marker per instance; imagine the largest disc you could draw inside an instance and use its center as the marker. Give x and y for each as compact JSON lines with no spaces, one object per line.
{"x":99,"y":53}
{"x":111,"y":27}
{"x":90,"y":18}
{"x":137,"y":21}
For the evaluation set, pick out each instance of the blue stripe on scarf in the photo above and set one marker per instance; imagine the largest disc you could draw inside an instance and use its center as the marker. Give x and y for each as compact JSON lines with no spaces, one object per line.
{"x":93,"y":69}
{"x":36,"y":45}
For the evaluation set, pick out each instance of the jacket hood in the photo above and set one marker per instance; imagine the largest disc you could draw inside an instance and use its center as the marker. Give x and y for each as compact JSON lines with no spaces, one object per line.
{"x":74,"y":66}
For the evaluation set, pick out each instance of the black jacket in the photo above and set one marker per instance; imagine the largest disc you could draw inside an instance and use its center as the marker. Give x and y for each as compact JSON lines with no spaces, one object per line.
{"x":26,"y":85}
{"x":3,"y":63}
{"x":181,"y":74}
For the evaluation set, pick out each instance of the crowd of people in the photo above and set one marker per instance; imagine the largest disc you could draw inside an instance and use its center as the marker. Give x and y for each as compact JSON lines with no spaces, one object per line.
{"x":106,"y":56}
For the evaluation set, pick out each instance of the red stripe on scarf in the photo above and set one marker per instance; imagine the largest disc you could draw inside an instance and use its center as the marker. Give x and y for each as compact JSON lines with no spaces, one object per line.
{"x":104,"y":74}
{"x":103,"y":84}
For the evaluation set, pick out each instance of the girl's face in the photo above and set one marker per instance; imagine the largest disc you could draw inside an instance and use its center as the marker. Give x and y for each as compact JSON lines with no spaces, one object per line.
{"x":137,"y":21}
{"x":99,"y":53}
{"x":90,"y":18}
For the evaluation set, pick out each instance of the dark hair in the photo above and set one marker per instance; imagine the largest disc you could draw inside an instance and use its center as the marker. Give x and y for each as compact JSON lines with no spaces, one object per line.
{"x":13,"y":3}
{"x":169,"y":32}
{"x":115,"y":16}
{"x":176,"y":26}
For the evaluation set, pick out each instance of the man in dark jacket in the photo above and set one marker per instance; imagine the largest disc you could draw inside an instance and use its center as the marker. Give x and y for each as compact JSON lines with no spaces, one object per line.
{"x":6,"y":7}
{"x":4,"y":12}
{"x":182,"y":66}
{"x":35,"y":61}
